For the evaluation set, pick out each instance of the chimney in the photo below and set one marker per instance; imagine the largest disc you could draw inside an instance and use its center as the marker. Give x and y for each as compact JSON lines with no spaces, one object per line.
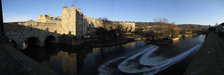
{"x":65,"y":7}
{"x":73,"y":6}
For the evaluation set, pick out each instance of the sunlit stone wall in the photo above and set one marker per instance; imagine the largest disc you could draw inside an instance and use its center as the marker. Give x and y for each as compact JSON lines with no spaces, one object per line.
{"x":72,"y":22}
{"x":48,"y":19}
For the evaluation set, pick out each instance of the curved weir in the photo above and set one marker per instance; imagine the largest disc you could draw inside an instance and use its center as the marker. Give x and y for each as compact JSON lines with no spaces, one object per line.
{"x":137,"y":62}
{"x":131,"y":64}
{"x":148,"y":60}
{"x":173,"y":60}
{"x":105,"y":70}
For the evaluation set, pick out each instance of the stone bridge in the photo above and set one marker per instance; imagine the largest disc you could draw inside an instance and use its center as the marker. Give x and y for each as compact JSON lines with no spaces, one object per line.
{"x":21,"y":36}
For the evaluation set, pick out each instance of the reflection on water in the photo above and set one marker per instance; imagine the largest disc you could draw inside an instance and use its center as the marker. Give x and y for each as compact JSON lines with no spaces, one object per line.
{"x":180,"y":46}
{"x":96,"y":49}
{"x":178,"y":51}
{"x":73,"y":60}
{"x":131,"y":44}
{"x":68,"y":61}
{"x":103,"y":54}
{"x":118,"y":49}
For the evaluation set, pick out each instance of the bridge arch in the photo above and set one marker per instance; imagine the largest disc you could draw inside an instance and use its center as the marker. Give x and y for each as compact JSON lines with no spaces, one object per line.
{"x":31,"y":41}
{"x":49,"y":39}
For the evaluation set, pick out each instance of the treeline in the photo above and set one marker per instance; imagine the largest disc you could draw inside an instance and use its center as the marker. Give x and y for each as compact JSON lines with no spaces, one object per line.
{"x":159,"y":29}
{"x":193,"y":28}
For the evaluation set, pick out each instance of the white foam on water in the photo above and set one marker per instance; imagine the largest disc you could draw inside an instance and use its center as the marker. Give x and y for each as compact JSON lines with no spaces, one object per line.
{"x":104,"y":70}
{"x":132,"y":67}
{"x":145,"y":70}
{"x":173,"y":60}
{"x":151,"y":61}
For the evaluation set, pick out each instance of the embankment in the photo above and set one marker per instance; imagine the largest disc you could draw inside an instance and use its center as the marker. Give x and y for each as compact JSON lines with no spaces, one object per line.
{"x":209,"y":60}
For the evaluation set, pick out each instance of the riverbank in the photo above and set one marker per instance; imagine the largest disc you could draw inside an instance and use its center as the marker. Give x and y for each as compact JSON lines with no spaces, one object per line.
{"x":209,"y":60}
{"x":14,"y":62}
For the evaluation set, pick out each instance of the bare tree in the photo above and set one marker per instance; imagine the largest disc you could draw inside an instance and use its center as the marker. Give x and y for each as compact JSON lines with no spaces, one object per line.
{"x":161,"y":20}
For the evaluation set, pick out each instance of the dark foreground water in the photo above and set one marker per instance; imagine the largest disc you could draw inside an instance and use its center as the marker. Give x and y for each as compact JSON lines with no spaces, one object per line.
{"x":72,"y":60}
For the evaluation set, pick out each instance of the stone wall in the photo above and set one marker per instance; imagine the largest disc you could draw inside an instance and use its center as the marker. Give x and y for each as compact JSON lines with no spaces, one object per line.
{"x":128,"y":26}
{"x":20,"y":33}
{"x":69,"y":20}
{"x":48,"y":19}
{"x":51,"y":27}
{"x":72,"y":22}
{"x":79,"y":24}
{"x":95,"y":23}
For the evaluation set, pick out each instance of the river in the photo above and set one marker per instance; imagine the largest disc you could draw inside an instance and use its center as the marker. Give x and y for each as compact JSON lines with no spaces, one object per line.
{"x":70,"y":60}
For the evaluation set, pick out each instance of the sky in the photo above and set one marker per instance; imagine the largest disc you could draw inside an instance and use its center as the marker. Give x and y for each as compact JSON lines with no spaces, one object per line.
{"x":203,"y":12}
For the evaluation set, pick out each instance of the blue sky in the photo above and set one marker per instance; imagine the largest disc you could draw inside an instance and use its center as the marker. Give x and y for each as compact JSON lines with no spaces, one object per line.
{"x":179,"y":11}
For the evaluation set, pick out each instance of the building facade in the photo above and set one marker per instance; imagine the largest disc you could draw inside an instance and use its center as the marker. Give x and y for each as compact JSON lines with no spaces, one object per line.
{"x":72,"y":22}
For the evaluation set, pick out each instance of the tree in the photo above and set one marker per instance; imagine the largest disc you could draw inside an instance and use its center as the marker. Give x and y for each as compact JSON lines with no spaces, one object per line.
{"x":174,"y":30}
{"x":164,"y":29}
{"x":109,"y":30}
{"x":161,"y":20}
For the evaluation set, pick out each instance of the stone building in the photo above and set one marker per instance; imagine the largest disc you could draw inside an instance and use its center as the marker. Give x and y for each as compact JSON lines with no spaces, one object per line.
{"x":127,"y":26}
{"x":72,"y":22}
{"x":95,"y":22}
{"x":48,"y":19}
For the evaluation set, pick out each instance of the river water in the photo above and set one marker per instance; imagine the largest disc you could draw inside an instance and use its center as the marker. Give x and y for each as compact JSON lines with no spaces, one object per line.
{"x":72,"y":60}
